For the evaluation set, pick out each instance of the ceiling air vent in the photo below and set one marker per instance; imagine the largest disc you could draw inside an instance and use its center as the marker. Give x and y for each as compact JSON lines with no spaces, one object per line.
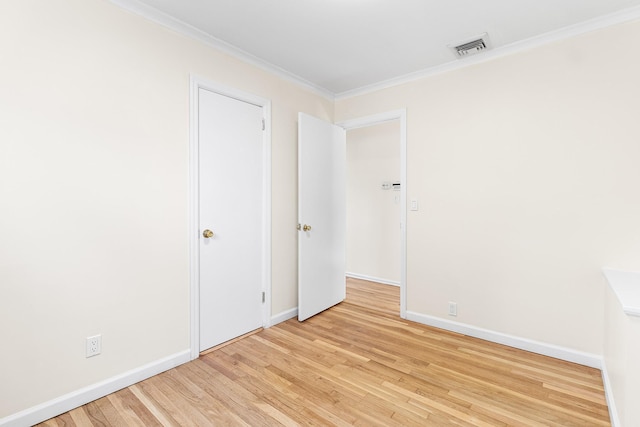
{"x":471,"y":47}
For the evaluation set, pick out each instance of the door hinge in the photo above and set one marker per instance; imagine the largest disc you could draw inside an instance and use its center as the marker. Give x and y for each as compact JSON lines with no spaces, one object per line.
{"x":264,"y":126}
{"x":263,"y":297}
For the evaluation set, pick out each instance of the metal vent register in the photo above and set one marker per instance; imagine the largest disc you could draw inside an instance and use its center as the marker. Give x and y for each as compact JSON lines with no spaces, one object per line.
{"x":471,"y":47}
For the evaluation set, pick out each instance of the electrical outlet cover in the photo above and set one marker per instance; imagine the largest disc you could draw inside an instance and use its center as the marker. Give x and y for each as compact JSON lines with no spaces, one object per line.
{"x":94,"y":345}
{"x":453,"y":308}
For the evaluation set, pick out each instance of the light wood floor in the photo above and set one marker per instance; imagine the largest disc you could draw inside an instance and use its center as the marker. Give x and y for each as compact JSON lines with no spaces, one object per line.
{"x":358,"y":364}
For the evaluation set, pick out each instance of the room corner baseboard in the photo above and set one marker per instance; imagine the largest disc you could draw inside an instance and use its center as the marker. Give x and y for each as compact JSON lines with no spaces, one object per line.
{"x":372,"y":279}
{"x":283,"y":316}
{"x":563,"y":353}
{"x":608,"y":393}
{"x":69,"y":401}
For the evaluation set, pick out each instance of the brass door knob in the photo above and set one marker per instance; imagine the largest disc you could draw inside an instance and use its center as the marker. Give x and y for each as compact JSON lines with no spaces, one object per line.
{"x":306,"y":227}
{"x":207,"y":234}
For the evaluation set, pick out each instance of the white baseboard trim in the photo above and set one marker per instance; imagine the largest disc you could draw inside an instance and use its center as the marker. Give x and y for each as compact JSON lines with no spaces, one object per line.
{"x":372,"y":279}
{"x":608,"y":393}
{"x":283,"y":316}
{"x":69,"y":401}
{"x":563,"y":353}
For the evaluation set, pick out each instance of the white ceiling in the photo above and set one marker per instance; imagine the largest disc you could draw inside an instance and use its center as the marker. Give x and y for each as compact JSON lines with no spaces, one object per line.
{"x":341,"y":46}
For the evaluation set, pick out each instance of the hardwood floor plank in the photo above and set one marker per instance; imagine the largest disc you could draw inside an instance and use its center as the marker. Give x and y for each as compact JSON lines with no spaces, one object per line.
{"x":358,"y":364}
{"x":63,"y":420}
{"x":121,"y":404}
{"x":111,"y":414}
{"x":95,"y":414}
{"x":80,"y":417}
{"x":214,"y":399}
{"x":153,"y":407}
{"x":176,"y":399}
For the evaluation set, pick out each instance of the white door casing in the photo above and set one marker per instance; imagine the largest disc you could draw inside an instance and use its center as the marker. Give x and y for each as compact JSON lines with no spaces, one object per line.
{"x":322,"y":207}
{"x":230,"y":195}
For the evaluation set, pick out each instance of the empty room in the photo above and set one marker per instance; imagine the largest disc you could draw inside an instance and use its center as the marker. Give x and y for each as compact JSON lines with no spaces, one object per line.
{"x":286,"y":212}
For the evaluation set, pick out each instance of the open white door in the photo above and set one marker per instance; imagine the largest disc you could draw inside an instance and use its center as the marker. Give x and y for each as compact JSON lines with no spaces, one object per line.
{"x":321,"y":215}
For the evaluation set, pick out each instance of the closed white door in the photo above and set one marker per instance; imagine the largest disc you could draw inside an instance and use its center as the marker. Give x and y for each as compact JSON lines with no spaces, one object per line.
{"x":230,"y":145}
{"x":321,"y":215}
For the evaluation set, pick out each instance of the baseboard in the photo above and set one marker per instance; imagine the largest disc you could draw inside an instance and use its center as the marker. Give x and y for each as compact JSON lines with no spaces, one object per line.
{"x":372,"y":279}
{"x":608,"y":393}
{"x":283,"y":316}
{"x":563,"y":353}
{"x":67,"y":402}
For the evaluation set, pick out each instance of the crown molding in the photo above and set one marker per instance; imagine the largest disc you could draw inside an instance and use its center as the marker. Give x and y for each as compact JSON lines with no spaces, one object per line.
{"x":168,"y":21}
{"x":595,"y":24}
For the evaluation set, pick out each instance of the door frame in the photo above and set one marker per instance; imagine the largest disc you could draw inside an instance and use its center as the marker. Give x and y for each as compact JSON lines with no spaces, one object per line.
{"x":195,"y":84}
{"x":371,"y":121}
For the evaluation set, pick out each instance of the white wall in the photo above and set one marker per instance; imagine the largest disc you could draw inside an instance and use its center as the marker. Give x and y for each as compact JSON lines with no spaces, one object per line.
{"x":94,"y":138}
{"x":526,"y":170}
{"x":373,"y":214}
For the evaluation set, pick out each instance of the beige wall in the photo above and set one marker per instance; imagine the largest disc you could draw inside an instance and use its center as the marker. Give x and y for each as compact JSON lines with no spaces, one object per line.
{"x":526,"y":170}
{"x":373,"y":214}
{"x":94,"y":140}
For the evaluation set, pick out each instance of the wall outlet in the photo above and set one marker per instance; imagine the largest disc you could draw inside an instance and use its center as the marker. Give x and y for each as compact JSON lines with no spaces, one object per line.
{"x":453,"y":308}
{"x":94,"y":345}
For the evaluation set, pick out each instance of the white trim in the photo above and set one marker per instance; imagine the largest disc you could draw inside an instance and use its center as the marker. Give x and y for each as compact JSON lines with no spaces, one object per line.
{"x":194,"y":221}
{"x":373,"y":279}
{"x":595,"y":24}
{"x":608,"y":393}
{"x":403,"y":214}
{"x":551,"y":350}
{"x":168,"y":21}
{"x":373,"y":120}
{"x":626,"y":287}
{"x":69,"y":401}
{"x":266,"y":216}
{"x":284,"y":316}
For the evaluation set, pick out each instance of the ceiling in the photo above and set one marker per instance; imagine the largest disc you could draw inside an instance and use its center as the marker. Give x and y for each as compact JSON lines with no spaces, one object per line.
{"x":341,"y":46}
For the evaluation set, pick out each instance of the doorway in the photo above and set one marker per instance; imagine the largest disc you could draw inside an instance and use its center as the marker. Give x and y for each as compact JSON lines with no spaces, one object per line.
{"x":230,"y":214}
{"x":394,"y":124}
{"x":373,"y":203}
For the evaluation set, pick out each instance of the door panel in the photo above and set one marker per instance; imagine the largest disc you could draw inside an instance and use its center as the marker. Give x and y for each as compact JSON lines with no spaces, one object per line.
{"x":230,"y":183}
{"x":322,"y":206}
